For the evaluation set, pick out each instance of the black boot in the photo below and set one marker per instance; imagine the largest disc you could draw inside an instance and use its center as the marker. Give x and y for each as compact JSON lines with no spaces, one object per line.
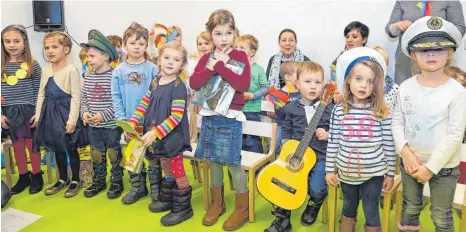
{"x":99,"y":181}
{"x":138,"y":188}
{"x":282,"y":221}
{"x":23,"y":182}
{"x":181,"y":210}
{"x":37,"y":182}
{"x":116,"y":181}
{"x":165,"y":200}
{"x":310,"y":213}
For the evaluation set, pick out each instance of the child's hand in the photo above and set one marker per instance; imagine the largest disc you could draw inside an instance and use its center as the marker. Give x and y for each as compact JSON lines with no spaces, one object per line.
{"x":248,"y":96}
{"x":271,"y":115}
{"x":410,"y":160}
{"x":222,"y":56}
{"x":86,"y":117}
{"x":70,"y":128}
{"x":4,"y":122}
{"x":321,"y":134}
{"x":423,"y":174}
{"x":33,"y":121}
{"x":211,"y":63}
{"x":388,"y":183}
{"x":128,"y":136}
{"x":337,"y":98}
{"x":148,"y":138}
{"x":97,"y":118}
{"x":331,"y":179}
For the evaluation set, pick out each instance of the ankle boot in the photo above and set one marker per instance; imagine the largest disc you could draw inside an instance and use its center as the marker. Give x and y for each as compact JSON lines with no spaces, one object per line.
{"x":155,"y":182}
{"x":372,"y":228}
{"x":138,"y":188}
{"x":240,"y":215}
{"x":24,"y":181}
{"x":164,"y":201}
{"x":181,"y":210}
{"x":347,"y":224}
{"x":99,"y":181}
{"x":37,"y":182}
{"x":282,"y":222}
{"x":309,"y":215}
{"x":216,"y":209}
{"x":116,"y":180}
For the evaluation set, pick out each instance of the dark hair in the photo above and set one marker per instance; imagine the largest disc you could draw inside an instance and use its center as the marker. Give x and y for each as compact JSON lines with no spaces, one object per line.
{"x":287,"y":30}
{"x":361,"y":27}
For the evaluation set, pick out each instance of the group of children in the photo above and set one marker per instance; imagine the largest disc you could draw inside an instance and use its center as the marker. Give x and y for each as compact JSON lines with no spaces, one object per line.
{"x":356,"y":140}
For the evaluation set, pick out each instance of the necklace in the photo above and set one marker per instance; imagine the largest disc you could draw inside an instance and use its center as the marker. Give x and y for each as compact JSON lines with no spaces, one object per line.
{"x":21,"y":73}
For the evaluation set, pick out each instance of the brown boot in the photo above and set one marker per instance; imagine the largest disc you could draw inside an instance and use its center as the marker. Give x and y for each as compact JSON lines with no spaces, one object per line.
{"x":372,"y":229}
{"x":347,"y":224}
{"x":216,"y":209}
{"x":241,"y":213}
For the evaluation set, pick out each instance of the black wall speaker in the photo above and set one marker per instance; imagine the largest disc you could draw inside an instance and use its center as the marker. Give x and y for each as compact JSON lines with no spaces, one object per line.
{"x":48,"y":16}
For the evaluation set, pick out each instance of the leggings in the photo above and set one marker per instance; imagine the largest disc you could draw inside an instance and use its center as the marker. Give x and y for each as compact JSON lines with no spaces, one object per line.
{"x":237,"y":173}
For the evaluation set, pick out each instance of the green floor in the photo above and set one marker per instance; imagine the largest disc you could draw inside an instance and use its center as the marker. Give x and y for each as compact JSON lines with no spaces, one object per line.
{"x":101,"y":214}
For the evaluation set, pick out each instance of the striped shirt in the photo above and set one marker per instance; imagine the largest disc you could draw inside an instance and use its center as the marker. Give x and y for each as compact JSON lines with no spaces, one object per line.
{"x":96,"y":97}
{"x":360,"y":145}
{"x":26,"y":90}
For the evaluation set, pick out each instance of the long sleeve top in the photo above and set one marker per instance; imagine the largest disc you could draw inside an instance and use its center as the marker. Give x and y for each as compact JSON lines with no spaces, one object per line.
{"x":26,"y":90}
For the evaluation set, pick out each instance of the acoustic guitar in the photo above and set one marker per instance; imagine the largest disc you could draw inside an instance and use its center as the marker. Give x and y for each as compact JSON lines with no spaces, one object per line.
{"x":284,"y":182}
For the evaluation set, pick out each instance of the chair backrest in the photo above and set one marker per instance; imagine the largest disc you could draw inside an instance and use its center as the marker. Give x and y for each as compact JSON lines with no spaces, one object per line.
{"x":462,"y":177}
{"x":267,"y":106}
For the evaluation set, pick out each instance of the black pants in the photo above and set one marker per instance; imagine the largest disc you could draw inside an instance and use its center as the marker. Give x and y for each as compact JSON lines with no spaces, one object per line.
{"x":62,"y":163}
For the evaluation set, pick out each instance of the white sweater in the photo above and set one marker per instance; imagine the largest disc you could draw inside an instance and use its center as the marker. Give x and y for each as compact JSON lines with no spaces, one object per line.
{"x":431,"y":121}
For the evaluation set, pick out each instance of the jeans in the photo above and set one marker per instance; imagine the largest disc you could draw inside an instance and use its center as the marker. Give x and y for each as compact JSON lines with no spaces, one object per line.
{"x":370,"y":193}
{"x":317,"y":188}
{"x":278,"y":143}
{"x":252,"y":143}
{"x":442,"y":191}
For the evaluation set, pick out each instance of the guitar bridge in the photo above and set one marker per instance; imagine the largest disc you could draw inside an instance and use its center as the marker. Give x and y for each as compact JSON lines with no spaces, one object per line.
{"x":283,"y":185}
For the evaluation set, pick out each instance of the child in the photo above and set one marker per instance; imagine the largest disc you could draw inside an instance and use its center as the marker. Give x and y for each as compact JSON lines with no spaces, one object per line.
{"x":298,"y":115}
{"x":288,"y":71}
{"x":131,"y":80}
{"x":57,"y":112}
{"x":258,"y":89}
{"x":429,"y":122}
{"x":204,"y":45}
{"x":117,"y":42}
{"x":97,"y":111}
{"x":166,"y":132}
{"x":457,"y":74}
{"x":361,"y":143}
{"x":391,"y":88}
{"x":220,"y":138}
{"x":174,"y":33}
{"x":20,"y":85}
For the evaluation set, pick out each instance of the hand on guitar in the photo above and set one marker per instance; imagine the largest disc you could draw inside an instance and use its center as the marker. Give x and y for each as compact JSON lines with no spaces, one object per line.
{"x":388,"y":183}
{"x":331,"y":179}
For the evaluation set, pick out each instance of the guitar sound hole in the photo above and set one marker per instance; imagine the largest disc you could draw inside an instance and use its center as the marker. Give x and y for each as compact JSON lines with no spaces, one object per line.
{"x":295,"y":163}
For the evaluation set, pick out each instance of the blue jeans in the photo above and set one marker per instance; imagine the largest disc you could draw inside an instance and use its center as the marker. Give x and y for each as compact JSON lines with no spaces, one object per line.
{"x":442,"y":191}
{"x":278,"y":144}
{"x":252,"y":143}
{"x":317,"y":188}
{"x":370,"y":191}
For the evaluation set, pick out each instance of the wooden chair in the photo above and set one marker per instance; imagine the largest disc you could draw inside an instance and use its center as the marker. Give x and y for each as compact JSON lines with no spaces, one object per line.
{"x":388,"y":195}
{"x":459,"y":201}
{"x":250,"y":161}
{"x":9,"y":167}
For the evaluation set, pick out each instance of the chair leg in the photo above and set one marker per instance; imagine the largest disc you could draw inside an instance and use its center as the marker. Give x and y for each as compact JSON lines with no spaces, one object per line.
{"x":387,"y":199}
{"x":199,"y":176}
{"x":194,"y":169}
{"x":49,"y":166}
{"x":398,"y":204}
{"x":325,"y":211}
{"x":252,"y":188}
{"x":6,"y":154}
{"x":463,"y":218}
{"x":332,"y":205}
{"x":206,"y":184}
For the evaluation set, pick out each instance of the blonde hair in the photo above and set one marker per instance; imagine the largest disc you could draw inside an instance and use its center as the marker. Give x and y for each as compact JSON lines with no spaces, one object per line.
{"x":175,"y":28}
{"x":309,"y":67}
{"x":205,"y":36}
{"x":115,"y":40}
{"x":453,"y":71}
{"x":376,"y":99}
{"x":140,"y":32}
{"x":382,"y":52}
{"x":27,"y":55}
{"x":288,"y":67}
{"x":175,"y":46}
{"x":416,"y":69}
{"x":248,"y":39}
{"x":220,"y":17}
{"x":82,"y":54}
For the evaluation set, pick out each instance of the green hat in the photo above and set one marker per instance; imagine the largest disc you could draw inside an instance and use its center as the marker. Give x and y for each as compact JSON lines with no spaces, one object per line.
{"x":98,"y":40}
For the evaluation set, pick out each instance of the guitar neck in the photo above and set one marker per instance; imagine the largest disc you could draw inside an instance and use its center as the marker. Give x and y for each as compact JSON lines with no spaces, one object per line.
{"x":307,"y":137}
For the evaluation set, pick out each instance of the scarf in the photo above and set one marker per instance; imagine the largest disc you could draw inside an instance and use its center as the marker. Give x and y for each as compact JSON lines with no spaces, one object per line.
{"x":275,"y":67}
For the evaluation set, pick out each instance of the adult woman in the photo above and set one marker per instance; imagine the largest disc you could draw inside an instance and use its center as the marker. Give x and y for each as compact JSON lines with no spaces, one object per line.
{"x":287,"y":41}
{"x":405,"y":13}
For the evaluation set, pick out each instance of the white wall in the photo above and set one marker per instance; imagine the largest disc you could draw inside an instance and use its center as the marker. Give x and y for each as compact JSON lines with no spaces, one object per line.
{"x":319,"y":24}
